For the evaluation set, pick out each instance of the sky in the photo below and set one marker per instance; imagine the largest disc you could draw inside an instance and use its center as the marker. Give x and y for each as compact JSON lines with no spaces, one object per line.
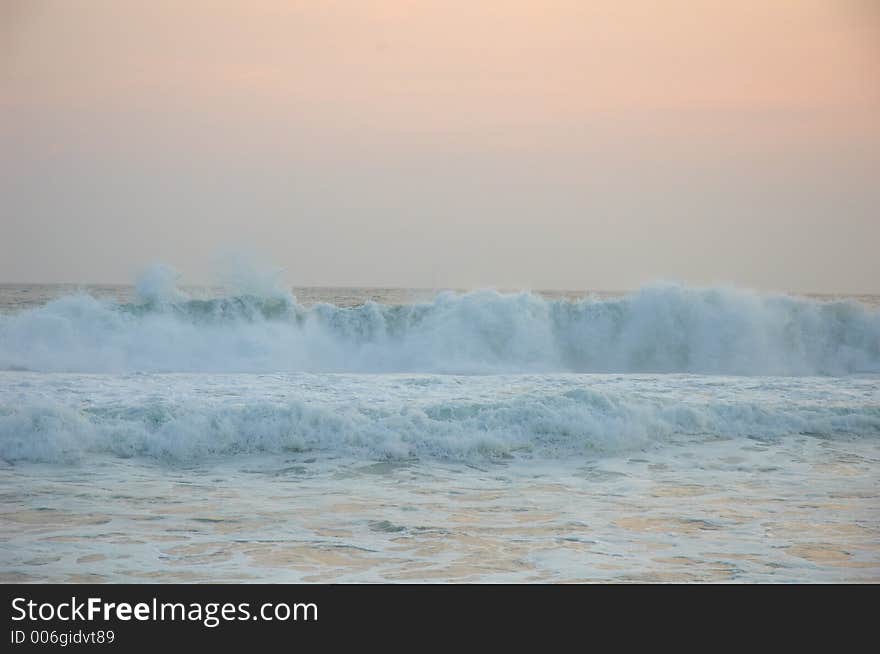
{"x":444,"y":143}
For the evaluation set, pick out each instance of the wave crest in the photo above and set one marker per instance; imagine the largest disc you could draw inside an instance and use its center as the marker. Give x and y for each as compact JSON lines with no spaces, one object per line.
{"x":665,"y":328}
{"x":573,"y":422}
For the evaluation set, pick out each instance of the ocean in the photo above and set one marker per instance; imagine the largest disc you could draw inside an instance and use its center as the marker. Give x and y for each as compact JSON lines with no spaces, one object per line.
{"x":157,"y":433}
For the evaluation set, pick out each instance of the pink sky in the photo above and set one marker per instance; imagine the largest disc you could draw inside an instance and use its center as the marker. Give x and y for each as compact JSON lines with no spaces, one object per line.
{"x":592,"y":144}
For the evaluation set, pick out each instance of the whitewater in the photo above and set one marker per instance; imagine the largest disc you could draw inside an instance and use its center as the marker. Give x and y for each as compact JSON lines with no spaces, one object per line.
{"x":663,"y":329}
{"x":256,"y":433}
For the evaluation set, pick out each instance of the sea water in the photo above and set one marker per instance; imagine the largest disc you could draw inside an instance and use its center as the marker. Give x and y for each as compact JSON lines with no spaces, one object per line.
{"x":347,"y":435}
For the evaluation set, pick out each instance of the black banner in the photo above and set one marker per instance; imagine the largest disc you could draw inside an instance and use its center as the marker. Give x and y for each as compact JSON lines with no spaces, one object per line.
{"x":128,"y":617}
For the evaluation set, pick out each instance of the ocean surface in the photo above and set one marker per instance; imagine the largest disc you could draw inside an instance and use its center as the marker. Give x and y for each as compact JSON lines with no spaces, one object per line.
{"x":157,"y":433}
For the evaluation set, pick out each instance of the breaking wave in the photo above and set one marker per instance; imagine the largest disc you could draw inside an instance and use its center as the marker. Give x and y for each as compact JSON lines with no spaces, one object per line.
{"x":577,"y":421}
{"x":663,"y":328}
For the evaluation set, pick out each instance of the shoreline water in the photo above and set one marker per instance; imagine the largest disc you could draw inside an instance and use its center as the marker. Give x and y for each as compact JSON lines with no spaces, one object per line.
{"x":742,"y":514}
{"x":209,"y":472}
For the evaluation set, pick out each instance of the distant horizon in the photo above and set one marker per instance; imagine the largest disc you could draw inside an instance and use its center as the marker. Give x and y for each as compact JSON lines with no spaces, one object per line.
{"x":466,"y":289}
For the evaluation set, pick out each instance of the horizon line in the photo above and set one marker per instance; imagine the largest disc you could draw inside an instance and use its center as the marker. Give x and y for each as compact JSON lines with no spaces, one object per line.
{"x":465,"y":289}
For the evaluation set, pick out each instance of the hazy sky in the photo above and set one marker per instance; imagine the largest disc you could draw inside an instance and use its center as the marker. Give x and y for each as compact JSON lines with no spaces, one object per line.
{"x":512,"y":143}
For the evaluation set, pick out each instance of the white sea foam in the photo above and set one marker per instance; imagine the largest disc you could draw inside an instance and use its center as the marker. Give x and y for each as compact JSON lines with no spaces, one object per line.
{"x":263,"y":419}
{"x":662,"y":328}
{"x":58,"y":417}
{"x":484,"y":334}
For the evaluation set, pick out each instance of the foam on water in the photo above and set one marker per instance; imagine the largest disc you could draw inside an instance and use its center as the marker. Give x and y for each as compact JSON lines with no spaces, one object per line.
{"x":661,"y":328}
{"x":59,"y":417}
{"x":673,"y":434}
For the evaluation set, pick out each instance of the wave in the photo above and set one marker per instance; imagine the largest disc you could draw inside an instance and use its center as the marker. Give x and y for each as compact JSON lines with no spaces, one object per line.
{"x":661,"y":328}
{"x":562,"y":424}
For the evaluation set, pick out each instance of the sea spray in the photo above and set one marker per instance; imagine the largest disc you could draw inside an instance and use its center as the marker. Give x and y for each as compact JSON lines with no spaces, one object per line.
{"x":183,"y":418}
{"x":158,"y":285}
{"x":662,"y":328}
{"x":244,"y":273}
